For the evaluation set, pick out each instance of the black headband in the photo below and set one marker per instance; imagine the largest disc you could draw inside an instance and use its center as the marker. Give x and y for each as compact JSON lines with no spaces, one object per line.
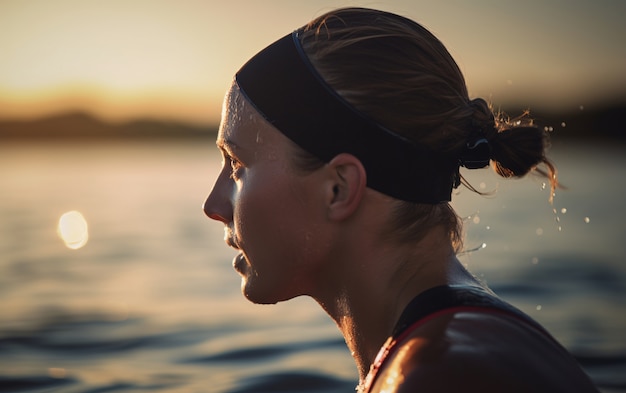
{"x":286,"y":89}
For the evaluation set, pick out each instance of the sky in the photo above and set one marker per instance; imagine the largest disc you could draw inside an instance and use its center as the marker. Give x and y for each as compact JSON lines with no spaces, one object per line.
{"x":174,"y":59}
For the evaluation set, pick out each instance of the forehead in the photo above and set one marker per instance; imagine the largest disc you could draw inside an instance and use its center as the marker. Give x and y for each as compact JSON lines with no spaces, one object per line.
{"x":243,"y":126}
{"x":239,"y":117}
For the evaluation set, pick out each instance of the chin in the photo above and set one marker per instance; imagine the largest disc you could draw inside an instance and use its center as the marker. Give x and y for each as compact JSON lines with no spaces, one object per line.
{"x":258,"y":299}
{"x":258,"y":295}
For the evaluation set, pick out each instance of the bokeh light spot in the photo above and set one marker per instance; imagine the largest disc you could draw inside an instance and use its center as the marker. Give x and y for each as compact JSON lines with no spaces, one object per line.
{"x":72,"y":229}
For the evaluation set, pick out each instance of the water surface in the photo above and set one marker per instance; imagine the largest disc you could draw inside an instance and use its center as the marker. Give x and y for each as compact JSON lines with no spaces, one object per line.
{"x":151,"y":303}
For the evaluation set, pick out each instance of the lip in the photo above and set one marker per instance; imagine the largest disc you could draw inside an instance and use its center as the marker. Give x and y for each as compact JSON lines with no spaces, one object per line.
{"x":231,"y":243}
{"x":239,"y":263}
{"x":229,"y":238}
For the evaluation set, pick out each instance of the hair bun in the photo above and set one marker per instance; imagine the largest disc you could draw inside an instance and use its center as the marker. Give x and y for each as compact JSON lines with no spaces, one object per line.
{"x":517,"y":150}
{"x":514,"y":146}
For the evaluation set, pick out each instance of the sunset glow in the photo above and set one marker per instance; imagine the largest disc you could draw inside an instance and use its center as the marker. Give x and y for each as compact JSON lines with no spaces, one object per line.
{"x":174,"y":60}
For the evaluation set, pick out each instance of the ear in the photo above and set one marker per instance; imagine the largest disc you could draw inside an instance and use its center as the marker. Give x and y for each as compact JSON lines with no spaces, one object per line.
{"x":346,"y":186}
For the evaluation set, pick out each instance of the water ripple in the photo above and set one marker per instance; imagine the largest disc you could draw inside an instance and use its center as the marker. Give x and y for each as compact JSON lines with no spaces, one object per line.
{"x":266,"y":352}
{"x":607,"y":371}
{"x":96,"y":336}
{"x":26,"y":383}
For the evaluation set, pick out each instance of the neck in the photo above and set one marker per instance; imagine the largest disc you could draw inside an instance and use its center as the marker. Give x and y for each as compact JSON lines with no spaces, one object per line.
{"x":372,"y":289}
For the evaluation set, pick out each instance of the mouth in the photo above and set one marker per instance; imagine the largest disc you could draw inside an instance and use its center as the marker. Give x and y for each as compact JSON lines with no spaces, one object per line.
{"x":230,"y":240}
{"x":232,"y":243}
{"x":240,"y":263}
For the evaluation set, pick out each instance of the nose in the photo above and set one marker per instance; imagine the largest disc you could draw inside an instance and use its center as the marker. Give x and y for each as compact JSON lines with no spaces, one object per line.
{"x":218,"y":204}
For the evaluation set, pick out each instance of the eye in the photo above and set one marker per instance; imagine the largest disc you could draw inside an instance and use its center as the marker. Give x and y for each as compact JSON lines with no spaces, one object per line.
{"x":235,"y":167}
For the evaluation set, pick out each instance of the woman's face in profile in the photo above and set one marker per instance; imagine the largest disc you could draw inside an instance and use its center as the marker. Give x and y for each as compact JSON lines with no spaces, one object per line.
{"x":267,"y":206}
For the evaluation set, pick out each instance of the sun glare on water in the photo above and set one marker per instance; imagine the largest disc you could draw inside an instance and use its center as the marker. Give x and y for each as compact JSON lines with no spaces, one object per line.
{"x":72,"y":229}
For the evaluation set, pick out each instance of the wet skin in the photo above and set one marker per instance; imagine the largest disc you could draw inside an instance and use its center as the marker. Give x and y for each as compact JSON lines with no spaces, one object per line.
{"x":266,"y":206}
{"x":318,"y":234}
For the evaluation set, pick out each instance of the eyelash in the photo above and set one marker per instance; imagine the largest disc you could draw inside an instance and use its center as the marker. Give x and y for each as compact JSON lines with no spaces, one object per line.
{"x":235,"y":166}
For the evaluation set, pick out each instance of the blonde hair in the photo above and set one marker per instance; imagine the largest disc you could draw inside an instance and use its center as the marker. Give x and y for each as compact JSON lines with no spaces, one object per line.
{"x":400,"y":75}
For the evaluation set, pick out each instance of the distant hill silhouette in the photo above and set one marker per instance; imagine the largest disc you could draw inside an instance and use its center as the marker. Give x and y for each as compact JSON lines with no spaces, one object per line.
{"x":607,"y":122}
{"x":79,"y":125}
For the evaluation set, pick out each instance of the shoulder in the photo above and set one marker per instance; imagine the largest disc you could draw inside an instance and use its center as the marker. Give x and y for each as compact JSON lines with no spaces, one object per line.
{"x":480,"y":352}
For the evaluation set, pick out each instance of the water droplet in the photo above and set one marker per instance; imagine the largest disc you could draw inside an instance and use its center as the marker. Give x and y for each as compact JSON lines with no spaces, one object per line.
{"x":582,"y":107}
{"x":557,"y":219}
{"x":482,"y":185}
{"x":487,"y":227}
{"x":72,"y":229}
{"x":539,"y":231}
{"x":560,"y":228}
{"x":587,"y":220}
{"x":473,"y":217}
{"x":543,"y":186}
{"x":563,"y":210}
{"x":563,"y":124}
{"x":538,"y":307}
{"x":535,"y":260}
{"x":483,"y":245}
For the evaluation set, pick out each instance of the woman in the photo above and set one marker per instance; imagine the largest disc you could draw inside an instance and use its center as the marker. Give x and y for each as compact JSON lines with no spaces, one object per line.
{"x":342,"y":144}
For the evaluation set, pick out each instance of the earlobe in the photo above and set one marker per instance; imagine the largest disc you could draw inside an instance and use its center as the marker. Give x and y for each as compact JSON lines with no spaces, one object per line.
{"x":347,"y":186}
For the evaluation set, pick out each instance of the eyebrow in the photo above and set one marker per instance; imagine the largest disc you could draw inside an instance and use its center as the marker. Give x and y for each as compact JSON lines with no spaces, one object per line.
{"x":227,"y":145}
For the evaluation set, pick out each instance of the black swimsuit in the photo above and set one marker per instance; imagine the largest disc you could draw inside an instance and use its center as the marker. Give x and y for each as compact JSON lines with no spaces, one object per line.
{"x":439,"y":300}
{"x":446,"y":297}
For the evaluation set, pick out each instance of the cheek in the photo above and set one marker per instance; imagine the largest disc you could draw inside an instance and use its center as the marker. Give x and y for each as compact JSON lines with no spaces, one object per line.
{"x":258,"y":206}
{"x":274,"y":216}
